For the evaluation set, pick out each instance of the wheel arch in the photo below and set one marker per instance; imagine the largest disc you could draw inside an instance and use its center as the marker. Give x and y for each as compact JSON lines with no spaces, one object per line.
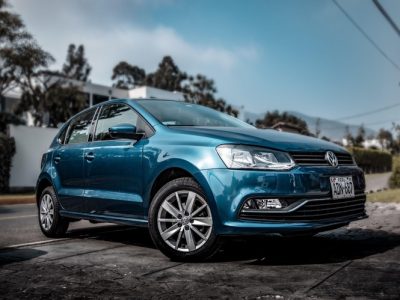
{"x":173,"y":172}
{"x":42,"y":183}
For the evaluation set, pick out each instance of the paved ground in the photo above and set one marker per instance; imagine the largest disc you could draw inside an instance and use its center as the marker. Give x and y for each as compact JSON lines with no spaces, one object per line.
{"x":362,"y":261}
{"x":18,"y":225}
{"x":379,"y":181}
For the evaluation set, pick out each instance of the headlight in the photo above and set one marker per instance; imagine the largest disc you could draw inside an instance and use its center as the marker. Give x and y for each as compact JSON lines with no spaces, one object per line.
{"x":248,"y":157}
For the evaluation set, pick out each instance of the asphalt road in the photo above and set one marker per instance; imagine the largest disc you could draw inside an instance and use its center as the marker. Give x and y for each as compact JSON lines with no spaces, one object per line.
{"x":19,"y":225}
{"x":361,"y":261}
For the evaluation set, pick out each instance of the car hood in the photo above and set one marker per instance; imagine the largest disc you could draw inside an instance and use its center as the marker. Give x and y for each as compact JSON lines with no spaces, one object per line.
{"x":273,"y":139}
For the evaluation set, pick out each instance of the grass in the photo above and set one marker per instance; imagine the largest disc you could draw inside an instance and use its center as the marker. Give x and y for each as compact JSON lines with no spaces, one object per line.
{"x":392,"y":195}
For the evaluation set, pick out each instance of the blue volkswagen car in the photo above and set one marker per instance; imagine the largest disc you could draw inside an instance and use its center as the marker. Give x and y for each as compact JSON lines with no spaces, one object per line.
{"x":193,"y":175}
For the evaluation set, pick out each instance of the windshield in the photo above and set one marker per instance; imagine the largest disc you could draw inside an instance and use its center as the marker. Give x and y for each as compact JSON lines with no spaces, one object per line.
{"x":179,"y":113}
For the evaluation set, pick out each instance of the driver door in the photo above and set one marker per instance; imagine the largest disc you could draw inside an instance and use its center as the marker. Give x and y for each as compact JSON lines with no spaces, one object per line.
{"x":113,"y":166}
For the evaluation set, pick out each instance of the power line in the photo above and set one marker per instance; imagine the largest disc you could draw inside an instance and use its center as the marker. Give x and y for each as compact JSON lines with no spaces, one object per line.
{"x":380,"y":122}
{"x":368,"y":112}
{"x":386,"y":15}
{"x":379,"y":49}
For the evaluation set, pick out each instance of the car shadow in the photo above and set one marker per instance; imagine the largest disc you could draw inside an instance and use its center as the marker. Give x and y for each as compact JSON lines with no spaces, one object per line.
{"x":13,"y":255}
{"x":331,"y":247}
{"x":115,"y":233}
{"x":325,"y":248}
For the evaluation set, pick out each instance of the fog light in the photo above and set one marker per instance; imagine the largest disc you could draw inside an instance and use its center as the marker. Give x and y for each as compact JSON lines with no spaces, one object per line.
{"x":265,"y":204}
{"x":268,"y":203}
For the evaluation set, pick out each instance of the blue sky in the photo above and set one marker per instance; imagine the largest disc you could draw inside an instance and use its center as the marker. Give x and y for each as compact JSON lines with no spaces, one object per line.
{"x":289,"y":55}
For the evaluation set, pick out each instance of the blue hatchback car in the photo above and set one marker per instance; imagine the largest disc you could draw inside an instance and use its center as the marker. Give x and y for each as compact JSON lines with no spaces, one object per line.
{"x":193,"y":175}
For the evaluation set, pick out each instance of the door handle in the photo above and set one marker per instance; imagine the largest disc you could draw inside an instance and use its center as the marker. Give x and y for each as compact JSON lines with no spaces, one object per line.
{"x":57,"y":159}
{"x":89,"y":156}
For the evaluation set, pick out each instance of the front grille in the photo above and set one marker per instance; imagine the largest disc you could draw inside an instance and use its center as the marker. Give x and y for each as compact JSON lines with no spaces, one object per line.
{"x":318,"y":158}
{"x":314,"y":210}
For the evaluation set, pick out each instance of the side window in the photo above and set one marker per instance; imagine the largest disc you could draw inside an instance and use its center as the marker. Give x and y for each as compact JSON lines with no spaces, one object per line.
{"x":79,"y":128}
{"x":62,"y":134}
{"x":112,"y":115}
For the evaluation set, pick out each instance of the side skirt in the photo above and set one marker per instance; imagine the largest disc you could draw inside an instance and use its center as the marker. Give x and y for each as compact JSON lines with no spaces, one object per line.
{"x":108,"y":219}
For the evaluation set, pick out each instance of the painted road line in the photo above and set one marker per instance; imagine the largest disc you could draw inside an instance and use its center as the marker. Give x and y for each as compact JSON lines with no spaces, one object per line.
{"x":17,"y":217}
{"x":34,"y":243}
{"x":85,"y":236}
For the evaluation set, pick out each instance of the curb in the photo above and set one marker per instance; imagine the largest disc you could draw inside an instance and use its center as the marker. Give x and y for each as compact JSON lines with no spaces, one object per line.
{"x":10,"y":200}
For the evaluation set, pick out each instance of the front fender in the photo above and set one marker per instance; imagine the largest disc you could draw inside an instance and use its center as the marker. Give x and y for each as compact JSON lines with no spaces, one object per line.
{"x":190,"y":168}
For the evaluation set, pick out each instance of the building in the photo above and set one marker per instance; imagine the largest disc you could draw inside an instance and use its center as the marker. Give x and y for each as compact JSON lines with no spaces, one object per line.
{"x":96,"y":93}
{"x":373,"y":143}
{"x":32,"y":142}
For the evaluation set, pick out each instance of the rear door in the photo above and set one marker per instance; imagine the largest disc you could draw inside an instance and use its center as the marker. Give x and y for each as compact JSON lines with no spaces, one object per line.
{"x":68,"y":162}
{"x":113,"y":167}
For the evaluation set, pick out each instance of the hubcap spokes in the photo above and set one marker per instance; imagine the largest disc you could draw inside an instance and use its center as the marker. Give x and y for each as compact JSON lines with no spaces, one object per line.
{"x":46,"y":212}
{"x":184,"y":221}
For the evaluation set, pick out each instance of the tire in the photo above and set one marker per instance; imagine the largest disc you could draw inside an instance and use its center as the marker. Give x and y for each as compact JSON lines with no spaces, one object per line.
{"x":50,"y":222}
{"x":184,"y":232}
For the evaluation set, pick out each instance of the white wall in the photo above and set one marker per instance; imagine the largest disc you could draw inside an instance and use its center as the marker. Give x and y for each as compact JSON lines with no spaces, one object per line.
{"x":150,"y":92}
{"x":31,"y":143}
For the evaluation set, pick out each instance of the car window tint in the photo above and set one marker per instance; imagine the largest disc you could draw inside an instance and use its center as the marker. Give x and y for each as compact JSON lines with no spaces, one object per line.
{"x":62,"y":134}
{"x":179,"y":113}
{"x":79,"y":129}
{"x":112,"y":115}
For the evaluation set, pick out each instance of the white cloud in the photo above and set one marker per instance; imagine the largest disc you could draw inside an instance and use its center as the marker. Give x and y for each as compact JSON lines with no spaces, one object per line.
{"x":109,"y":40}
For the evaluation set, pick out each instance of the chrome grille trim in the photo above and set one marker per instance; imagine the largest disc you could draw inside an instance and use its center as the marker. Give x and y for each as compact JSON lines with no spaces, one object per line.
{"x":318,"y":159}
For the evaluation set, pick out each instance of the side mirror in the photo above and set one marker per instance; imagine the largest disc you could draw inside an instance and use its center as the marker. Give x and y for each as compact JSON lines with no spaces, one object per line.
{"x":125,"y":131}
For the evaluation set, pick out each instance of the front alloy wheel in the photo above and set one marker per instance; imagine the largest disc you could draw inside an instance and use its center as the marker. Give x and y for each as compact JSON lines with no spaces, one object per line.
{"x":181,"y":222}
{"x":184,"y":221}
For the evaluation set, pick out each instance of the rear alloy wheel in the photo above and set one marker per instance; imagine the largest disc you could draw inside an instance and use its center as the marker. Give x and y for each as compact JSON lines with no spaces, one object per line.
{"x":50,"y":221}
{"x":46,"y":212}
{"x":181,"y":222}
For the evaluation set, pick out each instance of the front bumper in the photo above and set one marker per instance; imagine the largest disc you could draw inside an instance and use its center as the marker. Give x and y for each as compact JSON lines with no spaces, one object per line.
{"x":306,"y":186}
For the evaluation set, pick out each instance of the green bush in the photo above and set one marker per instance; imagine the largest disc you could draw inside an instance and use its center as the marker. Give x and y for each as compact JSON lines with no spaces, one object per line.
{"x":372,"y":161}
{"x":394,"y":181}
{"x":7,"y":151}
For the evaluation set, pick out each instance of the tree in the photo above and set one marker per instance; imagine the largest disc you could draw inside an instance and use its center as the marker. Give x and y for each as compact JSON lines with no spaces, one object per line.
{"x":349,"y":137}
{"x":11,"y":26}
{"x":9,"y":118}
{"x":202,"y":90}
{"x":7,"y":151}
{"x":20,"y":59}
{"x":318,"y":127}
{"x":126,"y":76}
{"x":76,"y":65}
{"x":360,"y":137}
{"x":19,"y":53}
{"x":385,"y":138}
{"x":167,"y":76}
{"x":272,"y":118}
{"x":197,"y":89}
{"x":50,"y":96}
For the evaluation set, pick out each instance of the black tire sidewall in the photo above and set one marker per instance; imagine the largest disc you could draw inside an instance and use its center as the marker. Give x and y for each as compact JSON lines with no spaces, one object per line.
{"x":207,"y":250}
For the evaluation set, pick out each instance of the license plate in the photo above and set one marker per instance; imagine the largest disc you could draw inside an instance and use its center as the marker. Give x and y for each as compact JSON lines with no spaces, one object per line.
{"x":342,"y":187}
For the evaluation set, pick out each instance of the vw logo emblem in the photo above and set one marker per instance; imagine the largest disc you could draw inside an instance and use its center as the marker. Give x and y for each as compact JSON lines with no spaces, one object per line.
{"x":331,"y":158}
